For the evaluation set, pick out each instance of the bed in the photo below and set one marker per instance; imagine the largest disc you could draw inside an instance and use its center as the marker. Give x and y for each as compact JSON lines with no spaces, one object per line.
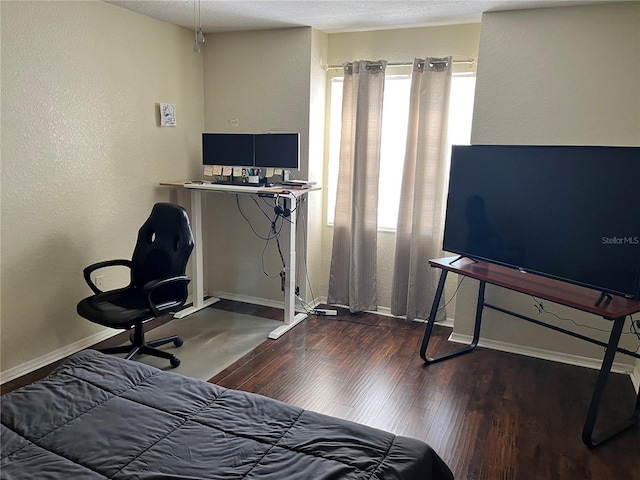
{"x":99,"y":416}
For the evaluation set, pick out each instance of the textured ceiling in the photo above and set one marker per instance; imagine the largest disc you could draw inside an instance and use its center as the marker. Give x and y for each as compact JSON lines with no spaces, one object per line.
{"x":331,"y":16}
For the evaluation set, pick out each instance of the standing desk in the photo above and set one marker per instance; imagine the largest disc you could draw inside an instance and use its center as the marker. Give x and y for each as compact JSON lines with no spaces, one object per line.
{"x":613,"y":308}
{"x":291,"y":319}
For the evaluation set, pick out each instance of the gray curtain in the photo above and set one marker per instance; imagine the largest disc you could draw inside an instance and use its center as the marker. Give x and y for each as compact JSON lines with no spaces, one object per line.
{"x":352,"y":279}
{"x":424,"y":185}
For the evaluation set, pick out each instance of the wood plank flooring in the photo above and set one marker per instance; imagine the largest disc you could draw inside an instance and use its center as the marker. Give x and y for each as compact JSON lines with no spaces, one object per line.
{"x":490,"y":415}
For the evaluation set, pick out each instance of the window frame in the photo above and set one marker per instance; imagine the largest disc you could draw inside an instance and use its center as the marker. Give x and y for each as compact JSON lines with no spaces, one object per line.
{"x":333,"y":143}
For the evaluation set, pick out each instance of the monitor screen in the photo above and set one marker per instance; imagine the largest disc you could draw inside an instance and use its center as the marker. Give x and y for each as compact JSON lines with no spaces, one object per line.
{"x":568,"y":212}
{"x":277,"y":150}
{"x":232,"y":149}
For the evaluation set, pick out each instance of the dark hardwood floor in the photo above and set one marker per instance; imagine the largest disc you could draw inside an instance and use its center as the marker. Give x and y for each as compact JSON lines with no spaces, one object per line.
{"x":490,"y":415}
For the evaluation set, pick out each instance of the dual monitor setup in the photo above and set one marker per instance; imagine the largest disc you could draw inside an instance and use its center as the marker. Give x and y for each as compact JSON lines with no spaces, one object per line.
{"x":250,"y":158}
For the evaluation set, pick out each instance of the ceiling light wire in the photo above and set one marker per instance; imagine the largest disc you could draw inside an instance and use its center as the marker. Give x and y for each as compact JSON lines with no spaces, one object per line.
{"x":200,"y":38}
{"x":196,"y":47}
{"x":197,"y":26}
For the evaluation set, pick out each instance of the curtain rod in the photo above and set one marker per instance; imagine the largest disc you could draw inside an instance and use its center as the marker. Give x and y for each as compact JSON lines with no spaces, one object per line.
{"x":468,"y":61}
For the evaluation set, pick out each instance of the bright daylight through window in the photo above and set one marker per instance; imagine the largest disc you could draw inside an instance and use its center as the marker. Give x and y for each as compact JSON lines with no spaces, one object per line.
{"x":394,"y":133}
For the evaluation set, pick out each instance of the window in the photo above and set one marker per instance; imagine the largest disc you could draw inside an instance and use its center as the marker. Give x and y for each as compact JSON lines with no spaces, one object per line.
{"x":394,"y":134}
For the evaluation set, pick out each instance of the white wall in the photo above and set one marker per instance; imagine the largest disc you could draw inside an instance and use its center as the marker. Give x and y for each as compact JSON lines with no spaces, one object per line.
{"x":316,"y":205}
{"x":560,"y":76}
{"x":554,"y":76}
{"x":263,"y":79}
{"x":82,"y":155}
{"x":82,"y":152}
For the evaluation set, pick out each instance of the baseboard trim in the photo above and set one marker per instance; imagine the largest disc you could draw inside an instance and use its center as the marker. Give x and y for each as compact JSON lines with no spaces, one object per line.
{"x":258,"y":301}
{"x":635,"y":377}
{"x":540,"y":353}
{"x":386,"y":312}
{"x":576,"y":360}
{"x":246,"y":299}
{"x":49,"y":358}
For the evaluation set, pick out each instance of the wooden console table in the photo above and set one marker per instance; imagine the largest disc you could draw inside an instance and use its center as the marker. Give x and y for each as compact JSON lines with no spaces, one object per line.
{"x":613,"y":308}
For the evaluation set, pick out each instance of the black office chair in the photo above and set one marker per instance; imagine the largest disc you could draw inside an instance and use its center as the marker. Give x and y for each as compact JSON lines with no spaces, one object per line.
{"x":158,"y":282}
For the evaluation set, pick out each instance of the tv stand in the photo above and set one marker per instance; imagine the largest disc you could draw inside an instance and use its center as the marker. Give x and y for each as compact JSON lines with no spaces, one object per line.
{"x":615,"y":309}
{"x":460,"y":257}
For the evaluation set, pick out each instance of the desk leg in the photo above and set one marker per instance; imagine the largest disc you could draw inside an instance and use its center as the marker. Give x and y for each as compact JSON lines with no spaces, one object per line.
{"x":432,"y":319}
{"x":601,"y":382}
{"x":199,"y":301}
{"x":290,"y":317}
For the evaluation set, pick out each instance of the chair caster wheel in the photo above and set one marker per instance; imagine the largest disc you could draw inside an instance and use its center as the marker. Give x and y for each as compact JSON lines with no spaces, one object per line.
{"x":178,"y":342}
{"x":174,"y":362}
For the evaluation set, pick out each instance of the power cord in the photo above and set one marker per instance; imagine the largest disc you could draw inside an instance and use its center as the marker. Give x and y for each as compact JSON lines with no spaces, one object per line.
{"x":306,"y":271}
{"x":539,"y":306}
{"x":634,"y":328}
{"x":453,"y":295}
{"x":274,"y":234}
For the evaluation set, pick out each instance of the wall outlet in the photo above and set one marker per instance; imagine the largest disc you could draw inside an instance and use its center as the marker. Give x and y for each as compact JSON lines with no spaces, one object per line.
{"x":98,"y":281}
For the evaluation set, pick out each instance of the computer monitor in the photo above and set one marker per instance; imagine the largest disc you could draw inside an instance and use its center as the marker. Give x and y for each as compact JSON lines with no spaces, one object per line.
{"x":228,"y":149}
{"x":277,"y":150}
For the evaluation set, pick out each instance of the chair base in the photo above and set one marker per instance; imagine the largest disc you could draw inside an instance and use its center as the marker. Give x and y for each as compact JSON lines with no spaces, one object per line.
{"x":140,"y":346}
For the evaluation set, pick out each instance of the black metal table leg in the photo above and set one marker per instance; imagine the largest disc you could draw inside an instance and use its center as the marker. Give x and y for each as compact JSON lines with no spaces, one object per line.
{"x":592,"y":413}
{"x":432,"y":319}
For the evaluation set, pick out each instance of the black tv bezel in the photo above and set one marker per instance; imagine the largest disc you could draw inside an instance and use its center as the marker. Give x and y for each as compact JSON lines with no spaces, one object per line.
{"x":635,"y":295}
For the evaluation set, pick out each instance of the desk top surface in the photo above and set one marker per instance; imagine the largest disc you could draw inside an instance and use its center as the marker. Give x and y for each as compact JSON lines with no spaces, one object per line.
{"x":557,"y":291}
{"x":216,"y":187}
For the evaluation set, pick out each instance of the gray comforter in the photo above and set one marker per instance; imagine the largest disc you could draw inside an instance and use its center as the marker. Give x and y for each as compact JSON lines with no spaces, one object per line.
{"x":99,"y":416}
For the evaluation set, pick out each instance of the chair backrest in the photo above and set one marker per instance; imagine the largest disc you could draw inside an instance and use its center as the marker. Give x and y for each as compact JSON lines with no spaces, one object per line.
{"x":165,"y":242}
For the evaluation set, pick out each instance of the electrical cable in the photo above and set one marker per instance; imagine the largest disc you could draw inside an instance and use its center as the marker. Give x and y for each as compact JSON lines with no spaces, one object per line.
{"x":634,"y":328}
{"x":278,"y":244}
{"x":274,"y":233}
{"x":306,"y":270}
{"x":542,"y":309}
{"x":261,"y":209}
{"x":414,"y":325}
{"x":453,"y":295}
{"x":249,"y":221}
{"x":309,"y":309}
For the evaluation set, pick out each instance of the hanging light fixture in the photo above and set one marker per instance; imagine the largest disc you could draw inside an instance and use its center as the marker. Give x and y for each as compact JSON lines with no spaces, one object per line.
{"x":197,"y":27}
{"x":200,"y":34}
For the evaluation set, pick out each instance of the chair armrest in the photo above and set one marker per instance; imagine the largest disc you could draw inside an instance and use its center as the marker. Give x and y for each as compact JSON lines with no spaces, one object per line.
{"x":96,"y":266}
{"x":172,"y":304}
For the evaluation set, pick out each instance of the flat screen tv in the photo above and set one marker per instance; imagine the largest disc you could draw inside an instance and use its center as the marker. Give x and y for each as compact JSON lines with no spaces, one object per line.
{"x":277,"y":150}
{"x":567,"y":212}
{"x":230,"y":149}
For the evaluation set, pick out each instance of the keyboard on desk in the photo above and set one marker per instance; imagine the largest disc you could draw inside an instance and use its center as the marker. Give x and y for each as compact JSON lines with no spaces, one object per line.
{"x":237,"y":184}
{"x":225,"y":185}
